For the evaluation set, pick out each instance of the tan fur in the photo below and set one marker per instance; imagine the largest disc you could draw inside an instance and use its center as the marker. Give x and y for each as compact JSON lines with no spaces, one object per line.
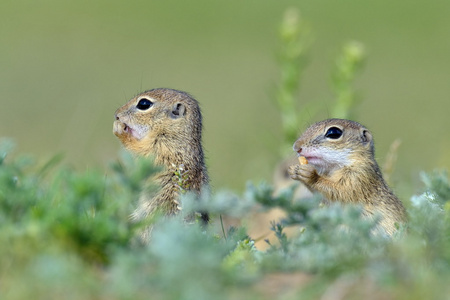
{"x":346,"y":170}
{"x":172,"y":141}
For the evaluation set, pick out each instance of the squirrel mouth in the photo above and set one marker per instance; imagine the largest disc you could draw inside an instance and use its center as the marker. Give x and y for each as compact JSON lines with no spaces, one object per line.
{"x":130,"y":131}
{"x":126,"y":128}
{"x":312,"y":158}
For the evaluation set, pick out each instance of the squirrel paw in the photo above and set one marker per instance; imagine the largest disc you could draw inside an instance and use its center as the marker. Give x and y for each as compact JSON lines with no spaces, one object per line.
{"x":304,"y":173}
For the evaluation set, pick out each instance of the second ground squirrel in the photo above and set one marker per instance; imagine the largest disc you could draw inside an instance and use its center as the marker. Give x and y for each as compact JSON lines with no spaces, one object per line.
{"x":341,"y":166}
{"x":165,"y":124}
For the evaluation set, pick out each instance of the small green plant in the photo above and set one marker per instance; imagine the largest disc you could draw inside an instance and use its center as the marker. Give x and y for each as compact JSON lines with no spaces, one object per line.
{"x":180,"y":179}
{"x":347,"y":65}
{"x":295,"y":40}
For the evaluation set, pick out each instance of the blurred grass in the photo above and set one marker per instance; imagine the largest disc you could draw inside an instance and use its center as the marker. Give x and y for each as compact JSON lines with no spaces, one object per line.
{"x":66,"y":67}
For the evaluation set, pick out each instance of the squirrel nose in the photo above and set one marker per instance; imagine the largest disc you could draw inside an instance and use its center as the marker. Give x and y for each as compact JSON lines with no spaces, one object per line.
{"x":297,"y":147}
{"x":116,"y":116}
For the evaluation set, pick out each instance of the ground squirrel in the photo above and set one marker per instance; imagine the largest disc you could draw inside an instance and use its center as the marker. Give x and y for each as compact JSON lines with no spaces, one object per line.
{"x":165,"y":124}
{"x":341,"y":166}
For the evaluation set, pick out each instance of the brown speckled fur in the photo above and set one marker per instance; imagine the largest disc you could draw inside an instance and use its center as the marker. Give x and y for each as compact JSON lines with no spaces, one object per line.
{"x":171,"y":141}
{"x":359,"y":181}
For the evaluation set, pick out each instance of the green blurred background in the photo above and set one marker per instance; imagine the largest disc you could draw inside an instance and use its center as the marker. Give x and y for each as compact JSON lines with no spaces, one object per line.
{"x":65,"y":66}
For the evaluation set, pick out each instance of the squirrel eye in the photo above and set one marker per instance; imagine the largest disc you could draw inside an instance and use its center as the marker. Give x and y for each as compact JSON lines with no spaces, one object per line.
{"x":144,"y":104}
{"x":333,"y":133}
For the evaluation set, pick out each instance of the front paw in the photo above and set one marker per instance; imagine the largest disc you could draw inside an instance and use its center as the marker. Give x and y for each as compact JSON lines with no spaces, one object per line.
{"x":304,"y":173}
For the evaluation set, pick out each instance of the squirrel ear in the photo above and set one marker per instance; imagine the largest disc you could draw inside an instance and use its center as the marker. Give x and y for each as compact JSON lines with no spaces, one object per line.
{"x":366,"y":136}
{"x":367,"y":139}
{"x":178,"y":110}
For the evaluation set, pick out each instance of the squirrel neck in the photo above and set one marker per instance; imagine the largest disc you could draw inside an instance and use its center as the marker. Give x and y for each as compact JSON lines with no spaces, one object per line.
{"x":189,"y":159}
{"x":369,"y":176}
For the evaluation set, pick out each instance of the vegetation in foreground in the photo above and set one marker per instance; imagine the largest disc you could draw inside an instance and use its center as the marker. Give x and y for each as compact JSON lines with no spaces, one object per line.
{"x":67,"y":234}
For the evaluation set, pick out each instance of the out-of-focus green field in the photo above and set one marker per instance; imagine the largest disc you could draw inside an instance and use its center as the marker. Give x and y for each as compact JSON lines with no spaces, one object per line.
{"x":65,"y":66}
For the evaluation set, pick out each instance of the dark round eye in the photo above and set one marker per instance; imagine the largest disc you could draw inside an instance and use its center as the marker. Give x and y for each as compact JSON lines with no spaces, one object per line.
{"x":144,"y":104}
{"x":333,"y":133}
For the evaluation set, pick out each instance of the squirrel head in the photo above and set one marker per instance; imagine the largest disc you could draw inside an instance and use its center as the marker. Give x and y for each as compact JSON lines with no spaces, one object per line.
{"x":335,"y":143}
{"x":159,"y":121}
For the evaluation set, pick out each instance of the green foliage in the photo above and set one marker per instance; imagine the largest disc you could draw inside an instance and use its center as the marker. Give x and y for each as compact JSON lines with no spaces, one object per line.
{"x":438,"y":187}
{"x":347,"y":65}
{"x":181,"y":176}
{"x":68,"y":233}
{"x":85,"y":212}
{"x":295,"y":39}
